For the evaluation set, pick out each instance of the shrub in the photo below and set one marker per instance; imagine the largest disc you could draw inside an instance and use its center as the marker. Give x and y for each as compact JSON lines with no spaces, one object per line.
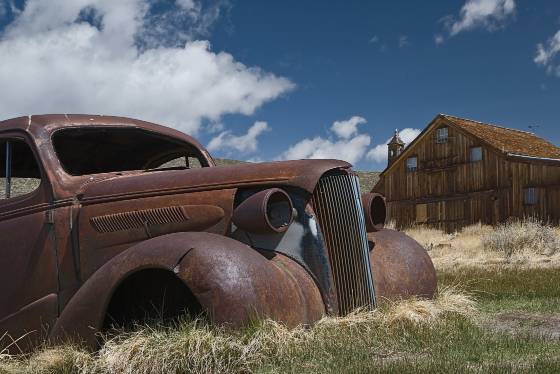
{"x":519,"y":236}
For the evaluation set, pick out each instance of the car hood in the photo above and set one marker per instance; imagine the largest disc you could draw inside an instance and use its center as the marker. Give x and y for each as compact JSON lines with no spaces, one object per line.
{"x":301,"y":173}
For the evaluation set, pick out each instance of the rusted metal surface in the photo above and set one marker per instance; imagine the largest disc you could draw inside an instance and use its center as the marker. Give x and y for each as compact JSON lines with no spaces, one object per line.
{"x":234,"y":284}
{"x":402,"y":267}
{"x":73,"y":246}
{"x":268,"y":211}
{"x":375,"y":211}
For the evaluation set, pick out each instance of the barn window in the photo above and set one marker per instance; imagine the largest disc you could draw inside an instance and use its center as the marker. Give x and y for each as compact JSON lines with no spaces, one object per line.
{"x":442,"y":135}
{"x":476,"y":154}
{"x":530,"y":196}
{"x":412,"y":163}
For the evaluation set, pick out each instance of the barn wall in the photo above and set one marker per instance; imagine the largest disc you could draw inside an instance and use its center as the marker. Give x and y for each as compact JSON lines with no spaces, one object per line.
{"x":458,"y":192}
{"x":546,"y":179}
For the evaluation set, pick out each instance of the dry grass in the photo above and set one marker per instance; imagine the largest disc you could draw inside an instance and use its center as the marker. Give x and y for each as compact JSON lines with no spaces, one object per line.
{"x":527,"y":244}
{"x":523,"y":236}
{"x":197,"y":347}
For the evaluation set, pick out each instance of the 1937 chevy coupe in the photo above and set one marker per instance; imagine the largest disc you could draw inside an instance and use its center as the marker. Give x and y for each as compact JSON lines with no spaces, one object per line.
{"x":104,"y":220}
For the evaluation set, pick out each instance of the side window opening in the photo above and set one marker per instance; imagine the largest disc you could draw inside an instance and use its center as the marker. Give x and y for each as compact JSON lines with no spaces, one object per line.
{"x":412,"y":163}
{"x":442,"y":135}
{"x":530,"y":196}
{"x":19,"y":171}
{"x":476,"y":154}
{"x":95,"y":150}
{"x":181,"y":162}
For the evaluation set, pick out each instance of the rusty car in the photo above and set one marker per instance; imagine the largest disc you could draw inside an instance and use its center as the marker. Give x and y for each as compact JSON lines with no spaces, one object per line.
{"x":105,"y":220}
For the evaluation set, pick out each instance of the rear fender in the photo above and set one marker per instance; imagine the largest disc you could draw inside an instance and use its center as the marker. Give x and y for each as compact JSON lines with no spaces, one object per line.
{"x":85,"y":312}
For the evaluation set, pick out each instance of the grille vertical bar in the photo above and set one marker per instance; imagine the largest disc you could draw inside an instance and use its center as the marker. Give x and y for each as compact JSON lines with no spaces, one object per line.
{"x":338,"y":205}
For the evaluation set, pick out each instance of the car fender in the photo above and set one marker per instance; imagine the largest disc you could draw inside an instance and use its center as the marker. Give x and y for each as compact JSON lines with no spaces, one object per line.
{"x":232,"y":281}
{"x":235,"y":283}
{"x":401,"y":267}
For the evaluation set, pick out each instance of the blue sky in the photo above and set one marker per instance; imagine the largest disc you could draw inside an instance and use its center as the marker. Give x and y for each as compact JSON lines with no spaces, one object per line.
{"x":284,"y":72}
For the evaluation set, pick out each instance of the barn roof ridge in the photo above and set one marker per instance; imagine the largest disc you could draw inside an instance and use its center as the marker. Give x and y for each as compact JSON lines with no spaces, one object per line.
{"x":451,"y":117}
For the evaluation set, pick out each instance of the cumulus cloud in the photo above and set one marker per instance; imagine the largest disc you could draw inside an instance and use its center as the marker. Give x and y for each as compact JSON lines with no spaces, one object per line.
{"x":403,"y":41}
{"x":487,"y":14}
{"x":374,"y":39}
{"x":379,"y":152}
{"x":347,"y":129}
{"x":247,"y":143}
{"x":347,"y":144}
{"x":547,"y":53}
{"x":183,"y":23}
{"x":94,"y":56}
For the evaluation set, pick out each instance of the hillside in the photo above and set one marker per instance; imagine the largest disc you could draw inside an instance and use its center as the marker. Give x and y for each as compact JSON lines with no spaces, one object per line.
{"x":367,"y":178}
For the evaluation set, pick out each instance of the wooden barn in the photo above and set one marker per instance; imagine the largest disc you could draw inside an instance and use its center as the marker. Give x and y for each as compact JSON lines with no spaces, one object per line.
{"x":459,"y":171}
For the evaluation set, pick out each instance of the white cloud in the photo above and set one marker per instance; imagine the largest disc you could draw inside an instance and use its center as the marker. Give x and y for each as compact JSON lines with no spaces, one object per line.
{"x":379,"y":152}
{"x":403,"y":41}
{"x":546,"y":54}
{"x":347,"y":129}
{"x":351,"y":150}
{"x":52,"y":61}
{"x":247,"y":143}
{"x":487,"y":14}
{"x":173,"y":27}
{"x":374,"y":39}
{"x":347,"y":145}
{"x":439,"y":39}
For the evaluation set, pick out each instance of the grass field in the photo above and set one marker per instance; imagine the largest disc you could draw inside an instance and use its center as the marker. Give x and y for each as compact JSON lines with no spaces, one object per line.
{"x":498,"y":310}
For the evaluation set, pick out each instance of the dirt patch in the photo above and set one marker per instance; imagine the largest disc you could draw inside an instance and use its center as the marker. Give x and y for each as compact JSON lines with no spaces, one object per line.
{"x":542,"y":325}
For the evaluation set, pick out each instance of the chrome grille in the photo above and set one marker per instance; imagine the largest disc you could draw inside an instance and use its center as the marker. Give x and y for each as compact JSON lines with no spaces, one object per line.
{"x":337,"y":203}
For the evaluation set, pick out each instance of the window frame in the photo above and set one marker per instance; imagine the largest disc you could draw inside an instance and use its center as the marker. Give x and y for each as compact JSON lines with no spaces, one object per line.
{"x":530,"y":196}
{"x":441,"y":139}
{"x":408,"y":168}
{"x":36,"y":196}
{"x":204,"y":157}
{"x":471,"y":160}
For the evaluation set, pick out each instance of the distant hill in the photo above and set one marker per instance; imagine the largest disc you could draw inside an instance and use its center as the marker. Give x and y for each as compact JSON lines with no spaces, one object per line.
{"x":225,"y":161}
{"x":368,"y":179}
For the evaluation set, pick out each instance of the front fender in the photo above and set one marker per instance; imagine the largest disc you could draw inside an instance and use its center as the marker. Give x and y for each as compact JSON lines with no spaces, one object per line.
{"x":232,"y":281}
{"x":235,"y":283}
{"x":401,"y":266}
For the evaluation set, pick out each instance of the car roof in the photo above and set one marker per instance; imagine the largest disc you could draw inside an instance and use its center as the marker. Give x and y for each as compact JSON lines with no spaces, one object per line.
{"x":43,"y":124}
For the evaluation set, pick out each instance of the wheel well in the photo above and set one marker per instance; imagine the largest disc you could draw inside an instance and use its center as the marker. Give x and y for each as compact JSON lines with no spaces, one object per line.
{"x":150,"y":295}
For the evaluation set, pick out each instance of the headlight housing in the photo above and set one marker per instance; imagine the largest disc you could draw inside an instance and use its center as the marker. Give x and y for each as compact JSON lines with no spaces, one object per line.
{"x":268,"y":211}
{"x":375,"y":211}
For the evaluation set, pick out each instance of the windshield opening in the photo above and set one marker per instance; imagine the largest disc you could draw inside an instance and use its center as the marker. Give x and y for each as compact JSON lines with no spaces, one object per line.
{"x":96,"y":150}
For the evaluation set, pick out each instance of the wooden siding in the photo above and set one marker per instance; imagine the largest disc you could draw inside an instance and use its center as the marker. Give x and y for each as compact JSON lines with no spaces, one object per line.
{"x":459,"y":192}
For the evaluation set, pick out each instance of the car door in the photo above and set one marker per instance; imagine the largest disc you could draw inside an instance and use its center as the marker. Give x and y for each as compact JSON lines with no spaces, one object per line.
{"x":28,"y":274}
